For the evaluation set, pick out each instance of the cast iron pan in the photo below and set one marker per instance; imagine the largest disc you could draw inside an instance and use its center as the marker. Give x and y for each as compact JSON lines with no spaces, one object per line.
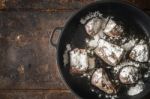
{"x":74,"y":33}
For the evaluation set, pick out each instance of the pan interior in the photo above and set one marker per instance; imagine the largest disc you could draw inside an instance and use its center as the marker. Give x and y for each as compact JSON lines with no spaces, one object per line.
{"x":74,"y":34}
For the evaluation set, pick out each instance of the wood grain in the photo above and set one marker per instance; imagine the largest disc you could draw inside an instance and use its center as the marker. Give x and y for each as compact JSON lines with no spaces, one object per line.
{"x":54,"y":5}
{"x":28,"y":61}
{"x":46,"y":4}
{"x":36,"y":94}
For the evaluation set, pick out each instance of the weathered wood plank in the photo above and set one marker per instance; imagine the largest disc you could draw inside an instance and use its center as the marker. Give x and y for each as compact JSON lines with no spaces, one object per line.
{"x":37,"y":94}
{"x":22,"y":95}
{"x":2,"y":4}
{"x":47,"y":5}
{"x":60,"y":95}
{"x":28,"y":61}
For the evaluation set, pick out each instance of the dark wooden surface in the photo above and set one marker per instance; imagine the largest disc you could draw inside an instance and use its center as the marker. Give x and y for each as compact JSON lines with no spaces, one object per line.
{"x":28,"y":68}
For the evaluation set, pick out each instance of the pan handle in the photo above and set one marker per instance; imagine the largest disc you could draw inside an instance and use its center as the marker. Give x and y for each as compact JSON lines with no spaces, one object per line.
{"x":56,"y":29}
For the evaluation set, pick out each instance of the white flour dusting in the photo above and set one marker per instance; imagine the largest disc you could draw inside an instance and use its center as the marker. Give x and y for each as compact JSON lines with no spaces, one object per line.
{"x":127,"y":46}
{"x":90,"y":16}
{"x":93,"y":26}
{"x":110,"y":53}
{"x":129,"y":75}
{"x":65,"y":55}
{"x":110,"y":25}
{"x":93,"y":42}
{"x":138,"y":88}
{"x":125,"y":63}
{"x":140,"y":53}
{"x":79,"y":59}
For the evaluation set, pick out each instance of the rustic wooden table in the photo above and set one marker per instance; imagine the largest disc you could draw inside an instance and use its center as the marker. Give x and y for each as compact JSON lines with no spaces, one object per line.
{"x":28,"y":68}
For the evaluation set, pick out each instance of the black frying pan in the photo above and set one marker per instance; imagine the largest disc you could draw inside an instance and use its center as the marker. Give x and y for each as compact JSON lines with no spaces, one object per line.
{"x":74,"y":32}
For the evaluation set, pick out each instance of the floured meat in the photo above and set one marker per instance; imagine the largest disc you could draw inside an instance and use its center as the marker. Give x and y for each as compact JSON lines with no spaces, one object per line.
{"x":78,"y":61}
{"x":129,"y":75}
{"x":93,"y":26}
{"x":124,"y":64}
{"x":93,"y":42}
{"x":100,"y":80}
{"x":112,"y":29}
{"x":140,"y":53}
{"x":108,"y":52}
{"x":109,"y":26}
